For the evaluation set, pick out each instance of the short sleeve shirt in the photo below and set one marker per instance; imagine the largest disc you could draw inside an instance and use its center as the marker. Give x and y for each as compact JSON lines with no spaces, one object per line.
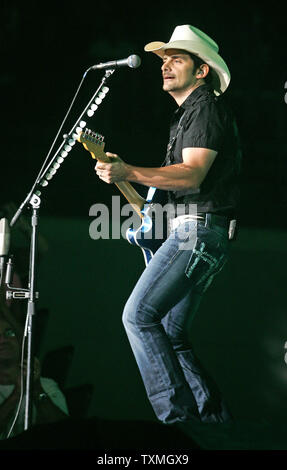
{"x":204,"y":120}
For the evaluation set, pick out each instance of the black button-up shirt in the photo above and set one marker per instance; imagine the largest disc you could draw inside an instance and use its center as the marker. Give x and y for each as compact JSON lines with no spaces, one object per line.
{"x":204,"y":120}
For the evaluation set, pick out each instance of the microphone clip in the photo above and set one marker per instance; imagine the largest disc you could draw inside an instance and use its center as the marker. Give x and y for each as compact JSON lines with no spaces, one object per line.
{"x":16,"y":293}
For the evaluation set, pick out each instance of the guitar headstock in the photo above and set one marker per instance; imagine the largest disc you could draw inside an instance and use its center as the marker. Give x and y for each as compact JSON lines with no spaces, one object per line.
{"x":94,"y":143}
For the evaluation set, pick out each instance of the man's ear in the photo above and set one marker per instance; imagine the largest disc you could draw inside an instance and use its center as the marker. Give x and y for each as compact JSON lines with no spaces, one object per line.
{"x":202,"y":71}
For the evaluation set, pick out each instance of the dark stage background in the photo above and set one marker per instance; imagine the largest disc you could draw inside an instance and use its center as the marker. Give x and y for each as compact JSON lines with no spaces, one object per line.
{"x":241,"y":332}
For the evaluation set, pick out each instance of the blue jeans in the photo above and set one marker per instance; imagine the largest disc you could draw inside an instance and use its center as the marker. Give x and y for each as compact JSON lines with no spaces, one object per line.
{"x":157,"y":318}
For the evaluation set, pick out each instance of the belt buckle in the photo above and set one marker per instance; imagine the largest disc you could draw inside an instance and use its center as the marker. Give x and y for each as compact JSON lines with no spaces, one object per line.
{"x":174,"y":223}
{"x":231,"y":229}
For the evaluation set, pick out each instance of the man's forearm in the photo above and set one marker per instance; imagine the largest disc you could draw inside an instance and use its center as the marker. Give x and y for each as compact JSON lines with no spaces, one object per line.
{"x":173,"y":177}
{"x":188,"y":174}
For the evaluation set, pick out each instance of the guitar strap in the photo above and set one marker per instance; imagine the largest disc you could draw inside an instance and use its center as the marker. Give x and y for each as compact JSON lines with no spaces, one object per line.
{"x":167,"y":160}
{"x":150,"y":193}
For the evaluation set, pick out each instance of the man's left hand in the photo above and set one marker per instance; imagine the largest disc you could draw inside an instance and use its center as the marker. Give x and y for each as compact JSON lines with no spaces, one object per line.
{"x":112,"y":172}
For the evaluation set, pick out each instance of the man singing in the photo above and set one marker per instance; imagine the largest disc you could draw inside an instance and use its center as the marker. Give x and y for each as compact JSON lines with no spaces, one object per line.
{"x":201,"y":169}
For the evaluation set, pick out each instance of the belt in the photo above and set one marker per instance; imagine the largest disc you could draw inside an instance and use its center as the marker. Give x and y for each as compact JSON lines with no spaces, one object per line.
{"x":215,"y":219}
{"x":206,"y":219}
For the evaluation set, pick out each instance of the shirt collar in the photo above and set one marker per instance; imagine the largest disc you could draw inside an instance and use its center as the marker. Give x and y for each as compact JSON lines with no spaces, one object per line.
{"x":196,"y":95}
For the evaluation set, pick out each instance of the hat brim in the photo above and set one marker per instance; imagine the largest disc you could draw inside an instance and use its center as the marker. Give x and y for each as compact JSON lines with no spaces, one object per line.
{"x":208,"y":55}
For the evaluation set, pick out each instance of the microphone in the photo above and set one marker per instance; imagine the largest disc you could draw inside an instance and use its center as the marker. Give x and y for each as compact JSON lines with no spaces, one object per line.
{"x":4,"y":245}
{"x":132,"y":61}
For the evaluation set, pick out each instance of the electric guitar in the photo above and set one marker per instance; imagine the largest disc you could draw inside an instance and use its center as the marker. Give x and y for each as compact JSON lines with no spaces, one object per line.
{"x":145,"y":236}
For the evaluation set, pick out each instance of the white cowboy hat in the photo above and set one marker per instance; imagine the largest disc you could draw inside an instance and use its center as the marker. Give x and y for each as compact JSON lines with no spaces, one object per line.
{"x":193,"y":40}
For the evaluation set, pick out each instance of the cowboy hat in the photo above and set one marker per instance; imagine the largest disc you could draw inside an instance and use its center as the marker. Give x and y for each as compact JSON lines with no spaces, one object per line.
{"x":193,"y":40}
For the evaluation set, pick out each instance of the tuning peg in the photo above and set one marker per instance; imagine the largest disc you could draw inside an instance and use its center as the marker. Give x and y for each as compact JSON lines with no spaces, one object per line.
{"x":100,"y":138}
{"x":88,"y":134}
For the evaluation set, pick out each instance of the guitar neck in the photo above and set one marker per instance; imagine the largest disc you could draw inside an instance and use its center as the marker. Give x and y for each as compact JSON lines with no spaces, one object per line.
{"x":133,"y":197}
{"x":135,"y":200}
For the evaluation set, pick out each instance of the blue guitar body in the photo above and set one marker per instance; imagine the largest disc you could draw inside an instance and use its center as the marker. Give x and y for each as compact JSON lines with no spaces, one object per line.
{"x":145,"y":236}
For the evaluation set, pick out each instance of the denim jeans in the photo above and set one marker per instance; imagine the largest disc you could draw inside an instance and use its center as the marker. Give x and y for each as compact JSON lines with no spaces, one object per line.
{"x":157,"y":320}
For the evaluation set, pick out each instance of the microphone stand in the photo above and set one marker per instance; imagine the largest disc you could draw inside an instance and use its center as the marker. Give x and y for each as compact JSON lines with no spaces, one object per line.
{"x":33,"y":200}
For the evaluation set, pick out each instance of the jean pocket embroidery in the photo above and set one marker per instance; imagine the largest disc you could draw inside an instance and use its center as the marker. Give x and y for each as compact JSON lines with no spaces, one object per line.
{"x":203,"y":266}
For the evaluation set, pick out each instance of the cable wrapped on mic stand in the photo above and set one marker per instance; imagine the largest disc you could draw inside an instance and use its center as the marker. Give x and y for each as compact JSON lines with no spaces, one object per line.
{"x":4,"y":247}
